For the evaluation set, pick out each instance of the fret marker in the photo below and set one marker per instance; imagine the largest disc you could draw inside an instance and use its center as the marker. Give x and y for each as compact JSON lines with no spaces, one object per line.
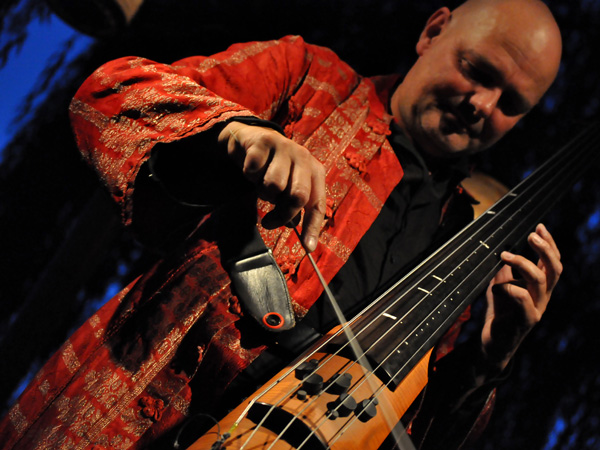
{"x":389,"y":316}
{"x":423,"y":290}
{"x":484,"y":244}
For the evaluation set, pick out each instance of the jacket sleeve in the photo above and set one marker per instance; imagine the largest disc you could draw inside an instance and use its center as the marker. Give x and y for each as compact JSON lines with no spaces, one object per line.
{"x":129,"y":105}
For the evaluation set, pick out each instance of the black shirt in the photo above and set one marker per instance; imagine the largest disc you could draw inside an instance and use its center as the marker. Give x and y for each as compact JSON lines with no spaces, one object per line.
{"x":400,"y":237}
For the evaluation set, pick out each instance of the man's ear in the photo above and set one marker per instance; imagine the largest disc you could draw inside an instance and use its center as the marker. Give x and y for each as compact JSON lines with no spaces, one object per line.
{"x":433,"y":28}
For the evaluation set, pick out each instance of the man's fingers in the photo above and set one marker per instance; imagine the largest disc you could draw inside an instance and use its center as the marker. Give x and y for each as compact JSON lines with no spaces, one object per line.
{"x":534,"y":278}
{"x":306,"y":191}
{"x":545,"y":234}
{"x":285,"y":174}
{"x":314,"y":210}
{"x":276,"y":180}
{"x":504,"y":275}
{"x":543,"y":244}
{"x":290,"y":199}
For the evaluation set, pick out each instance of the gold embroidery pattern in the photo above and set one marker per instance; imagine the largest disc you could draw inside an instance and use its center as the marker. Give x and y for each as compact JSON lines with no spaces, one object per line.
{"x":368,"y":192}
{"x":270,"y":111}
{"x":335,"y":245}
{"x":94,"y":321}
{"x":137,"y":62}
{"x":312,"y":112}
{"x":89,"y":114}
{"x":69,"y":357}
{"x":17,"y":418}
{"x":323,"y":86}
{"x":118,"y":442}
{"x":106,"y":387}
{"x":341,"y":73}
{"x":135,"y":424}
{"x":234,"y":344}
{"x":148,"y":371}
{"x":180,"y":405}
{"x":238,"y":57}
{"x":344,"y":123}
{"x":53,"y":438}
{"x":44,"y":387}
{"x":324,"y":62}
{"x":79,"y":415}
{"x":175,"y":84}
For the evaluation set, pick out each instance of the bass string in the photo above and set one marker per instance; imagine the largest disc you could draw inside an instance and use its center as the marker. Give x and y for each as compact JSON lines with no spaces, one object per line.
{"x":317,"y":369}
{"x":550,"y":193}
{"x":321,"y":366}
{"x":285,"y":395}
{"x":361,"y":354}
{"x":362,"y":363}
{"x":350,"y":340}
{"x":563,"y":181}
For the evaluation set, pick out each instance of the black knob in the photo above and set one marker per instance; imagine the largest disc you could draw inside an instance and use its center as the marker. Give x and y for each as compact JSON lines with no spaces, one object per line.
{"x":340,"y":384}
{"x":344,"y":405}
{"x":306,"y":368}
{"x":313,"y":384}
{"x":333,"y":414}
{"x":367,"y":410}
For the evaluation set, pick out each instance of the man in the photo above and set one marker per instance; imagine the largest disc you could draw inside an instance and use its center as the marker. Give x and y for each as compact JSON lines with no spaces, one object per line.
{"x":128,"y":375}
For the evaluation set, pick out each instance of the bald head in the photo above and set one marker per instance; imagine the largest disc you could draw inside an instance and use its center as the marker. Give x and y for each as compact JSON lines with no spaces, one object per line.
{"x":481,"y":68}
{"x":526,"y":26}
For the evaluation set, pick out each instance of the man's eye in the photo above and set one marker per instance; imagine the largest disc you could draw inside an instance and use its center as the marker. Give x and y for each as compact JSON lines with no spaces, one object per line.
{"x":475,"y":73}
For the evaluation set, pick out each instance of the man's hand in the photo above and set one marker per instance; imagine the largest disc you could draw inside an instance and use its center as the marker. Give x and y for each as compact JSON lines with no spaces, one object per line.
{"x":515,"y":306}
{"x":285,"y":174}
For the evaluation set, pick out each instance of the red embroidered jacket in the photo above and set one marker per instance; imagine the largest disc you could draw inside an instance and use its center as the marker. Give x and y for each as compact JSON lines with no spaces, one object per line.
{"x":123,"y":378}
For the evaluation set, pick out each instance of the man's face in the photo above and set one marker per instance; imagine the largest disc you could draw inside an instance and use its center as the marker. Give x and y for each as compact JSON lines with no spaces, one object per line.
{"x":472,"y":84}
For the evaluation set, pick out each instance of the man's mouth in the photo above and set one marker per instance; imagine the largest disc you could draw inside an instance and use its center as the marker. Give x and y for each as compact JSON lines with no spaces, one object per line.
{"x":452,"y":123}
{"x":456,"y":122}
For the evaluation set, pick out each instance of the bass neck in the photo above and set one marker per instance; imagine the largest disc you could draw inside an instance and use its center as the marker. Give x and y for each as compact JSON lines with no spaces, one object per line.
{"x":405,"y":322}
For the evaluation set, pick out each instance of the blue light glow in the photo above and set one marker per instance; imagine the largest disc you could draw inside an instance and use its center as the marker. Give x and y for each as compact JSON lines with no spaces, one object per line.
{"x":557,"y":430}
{"x":593,"y":221}
{"x":24,"y":69}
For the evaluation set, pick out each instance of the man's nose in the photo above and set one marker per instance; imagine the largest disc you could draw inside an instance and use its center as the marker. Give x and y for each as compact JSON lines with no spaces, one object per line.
{"x":484,"y":100}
